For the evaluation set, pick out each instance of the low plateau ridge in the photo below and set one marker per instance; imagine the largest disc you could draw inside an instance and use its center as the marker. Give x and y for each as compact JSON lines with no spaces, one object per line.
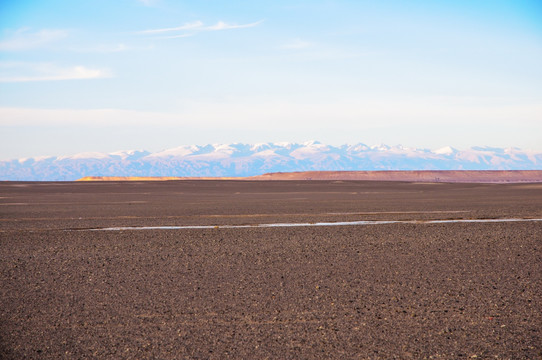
{"x":248,"y":160}
{"x":432,"y":176}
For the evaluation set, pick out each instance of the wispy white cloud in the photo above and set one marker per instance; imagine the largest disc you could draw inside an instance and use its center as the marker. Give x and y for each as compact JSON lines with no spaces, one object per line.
{"x":177,"y":36}
{"x":192,"y":28}
{"x":24,"y":39}
{"x":356,"y":113}
{"x":224,"y":26}
{"x":147,"y":2}
{"x":188,"y":26}
{"x":105,"y":49}
{"x":12,"y":116}
{"x":297,"y":44}
{"x":27,"y":72}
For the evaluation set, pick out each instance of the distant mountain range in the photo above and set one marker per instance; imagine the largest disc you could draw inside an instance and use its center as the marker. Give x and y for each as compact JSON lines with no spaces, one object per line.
{"x":231,"y":160}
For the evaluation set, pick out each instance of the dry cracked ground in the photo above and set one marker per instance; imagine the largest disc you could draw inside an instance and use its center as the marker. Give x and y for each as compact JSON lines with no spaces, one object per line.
{"x":378,"y":291}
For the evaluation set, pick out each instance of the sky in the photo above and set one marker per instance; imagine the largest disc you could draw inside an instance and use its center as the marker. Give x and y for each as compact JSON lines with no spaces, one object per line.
{"x":102,"y":75}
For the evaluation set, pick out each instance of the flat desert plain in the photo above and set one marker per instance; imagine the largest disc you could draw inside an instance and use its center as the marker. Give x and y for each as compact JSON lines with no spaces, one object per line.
{"x":121,"y":270}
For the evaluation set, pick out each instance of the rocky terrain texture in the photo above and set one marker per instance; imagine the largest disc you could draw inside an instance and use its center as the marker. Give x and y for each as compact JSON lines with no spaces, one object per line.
{"x":440,"y":291}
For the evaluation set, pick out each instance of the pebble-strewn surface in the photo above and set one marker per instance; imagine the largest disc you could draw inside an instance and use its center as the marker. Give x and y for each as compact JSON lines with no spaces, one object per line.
{"x":441,"y":291}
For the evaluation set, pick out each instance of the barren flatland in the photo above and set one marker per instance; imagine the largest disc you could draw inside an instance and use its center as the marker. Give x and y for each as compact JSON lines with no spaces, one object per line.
{"x":401,"y":290}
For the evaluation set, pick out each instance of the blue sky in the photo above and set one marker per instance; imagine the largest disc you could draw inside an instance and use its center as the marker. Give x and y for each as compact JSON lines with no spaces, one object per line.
{"x":115,"y":75}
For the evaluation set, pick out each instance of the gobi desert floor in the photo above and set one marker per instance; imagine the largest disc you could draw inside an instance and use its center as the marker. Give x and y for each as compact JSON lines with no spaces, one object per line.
{"x":412,"y":288}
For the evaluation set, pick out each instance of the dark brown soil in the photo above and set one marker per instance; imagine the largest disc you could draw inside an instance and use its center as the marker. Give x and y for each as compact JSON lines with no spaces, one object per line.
{"x":463,"y":290}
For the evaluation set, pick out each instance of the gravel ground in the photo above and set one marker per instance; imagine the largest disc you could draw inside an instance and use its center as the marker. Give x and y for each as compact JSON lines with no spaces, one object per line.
{"x":441,"y":291}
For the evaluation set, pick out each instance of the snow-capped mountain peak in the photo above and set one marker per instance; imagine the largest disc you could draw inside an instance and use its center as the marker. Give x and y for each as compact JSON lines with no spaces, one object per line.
{"x":447,"y":150}
{"x":85,"y":155}
{"x":240,"y":159}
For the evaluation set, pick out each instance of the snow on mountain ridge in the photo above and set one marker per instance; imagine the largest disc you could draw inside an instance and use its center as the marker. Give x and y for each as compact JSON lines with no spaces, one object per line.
{"x":447,"y":150}
{"x":183,"y":150}
{"x":240,"y":159}
{"x":85,"y":155}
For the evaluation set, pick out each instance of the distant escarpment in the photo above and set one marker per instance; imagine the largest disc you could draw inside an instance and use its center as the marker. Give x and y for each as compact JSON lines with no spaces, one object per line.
{"x":429,"y":176}
{"x":433,"y":176}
